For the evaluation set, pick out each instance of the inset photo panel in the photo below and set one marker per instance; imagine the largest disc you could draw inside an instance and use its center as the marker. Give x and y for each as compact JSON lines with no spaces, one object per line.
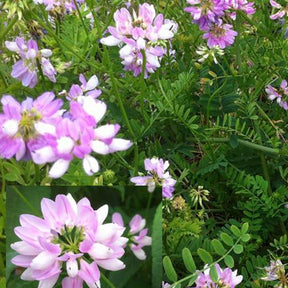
{"x":96,"y":237}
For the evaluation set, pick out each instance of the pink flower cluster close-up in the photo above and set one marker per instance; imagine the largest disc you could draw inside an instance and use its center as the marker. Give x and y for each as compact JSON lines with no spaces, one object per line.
{"x":71,"y":238}
{"x":142,"y":37}
{"x":211,"y":15}
{"x":157,"y":175}
{"x":44,"y":132}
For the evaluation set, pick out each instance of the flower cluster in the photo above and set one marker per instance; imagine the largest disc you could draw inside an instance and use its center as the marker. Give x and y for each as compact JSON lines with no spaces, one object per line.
{"x":26,"y":69}
{"x":66,"y":5}
{"x":279,"y":14}
{"x":210,"y":16}
{"x":57,"y":243}
{"x":156,"y":176}
{"x":276,"y":271}
{"x":142,"y":37}
{"x":226,"y":278}
{"x":41,"y":130}
{"x":136,"y":242}
{"x":273,"y":94}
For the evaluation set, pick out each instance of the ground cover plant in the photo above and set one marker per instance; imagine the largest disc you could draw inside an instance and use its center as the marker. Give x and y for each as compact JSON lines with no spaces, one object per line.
{"x":187,"y":95}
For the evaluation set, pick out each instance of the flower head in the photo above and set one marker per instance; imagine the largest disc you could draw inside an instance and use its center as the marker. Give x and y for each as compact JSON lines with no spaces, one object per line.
{"x":274,"y":271}
{"x":226,"y":278}
{"x":273,"y":94}
{"x":26,"y":69}
{"x":220,"y":35}
{"x":22,"y":123}
{"x":156,"y":176}
{"x":206,"y":12}
{"x":282,"y":10}
{"x":137,"y":234}
{"x":67,"y":231}
{"x":140,"y":33}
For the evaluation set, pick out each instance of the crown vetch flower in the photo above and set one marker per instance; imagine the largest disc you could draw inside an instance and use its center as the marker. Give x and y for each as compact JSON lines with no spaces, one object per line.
{"x":243,"y":5}
{"x":68,"y":5}
{"x":205,"y":12}
{"x":273,"y":94}
{"x":142,"y":31}
{"x":40,"y":130}
{"x":21,"y":124}
{"x":220,"y":34}
{"x":226,"y":278}
{"x":67,"y":231}
{"x":136,"y":242}
{"x":281,"y":13}
{"x":156,"y":176}
{"x":26,"y":69}
{"x":274,"y":271}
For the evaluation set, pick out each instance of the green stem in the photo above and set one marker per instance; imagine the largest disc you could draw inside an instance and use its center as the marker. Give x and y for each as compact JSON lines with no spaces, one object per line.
{"x":248,"y":144}
{"x":148,"y":205}
{"x":25,"y":200}
{"x":212,"y":97}
{"x":122,"y":108}
{"x":3,"y":186}
{"x":8,"y":28}
{"x":108,"y":282}
{"x":143,"y":86}
{"x":81,"y":18}
{"x":62,"y":43}
{"x":37,"y":173}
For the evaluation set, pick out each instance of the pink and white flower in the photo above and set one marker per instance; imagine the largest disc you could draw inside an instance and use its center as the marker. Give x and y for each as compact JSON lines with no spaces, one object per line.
{"x":136,"y":242}
{"x":282,"y":10}
{"x":156,"y":176}
{"x":226,"y":278}
{"x":67,"y":231}
{"x":140,"y":32}
{"x":220,"y":34}
{"x":273,"y":94}
{"x":26,"y":69}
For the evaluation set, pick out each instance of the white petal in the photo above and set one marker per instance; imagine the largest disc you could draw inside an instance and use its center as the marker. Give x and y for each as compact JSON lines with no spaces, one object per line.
{"x":100,"y":251}
{"x":139,"y":253}
{"x":46,"y":52}
{"x":65,"y":145}
{"x":92,"y":83}
{"x":43,"y":155}
{"x":102,"y":213}
{"x":90,"y":165}
{"x":43,"y":261}
{"x":48,"y":283}
{"x":72,"y":203}
{"x":44,"y":128}
{"x":119,"y":144}
{"x":59,"y":168}
{"x":27,"y":275}
{"x":111,"y":264}
{"x":100,"y":147}
{"x":95,"y":108}
{"x":110,"y":41}
{"x":125,"y":51}
{"x":10,"y":127}
{"x":72,"y":267}
{"x":12,"y":46}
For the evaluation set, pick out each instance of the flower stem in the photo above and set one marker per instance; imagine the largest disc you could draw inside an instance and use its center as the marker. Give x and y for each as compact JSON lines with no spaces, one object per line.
{"x":25,"y":200}
{"x":108,"y":282}
{"x":122,"y":108}
{"x":81,"y":17}
{"x":143,"y":86}
{"x":8,"y":28}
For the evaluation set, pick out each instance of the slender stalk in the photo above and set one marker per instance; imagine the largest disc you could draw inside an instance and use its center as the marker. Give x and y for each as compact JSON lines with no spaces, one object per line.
{"x":108,"y":282}
{"x":81,"y":17}
{"x":8,"y":28}
{"x":25,"y":200}
{"x":148,"y":205}
{"x":143,"y":86}
{"x":248,"y":144}
{"x":122,"y":108}
{"x":3,"y":186}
